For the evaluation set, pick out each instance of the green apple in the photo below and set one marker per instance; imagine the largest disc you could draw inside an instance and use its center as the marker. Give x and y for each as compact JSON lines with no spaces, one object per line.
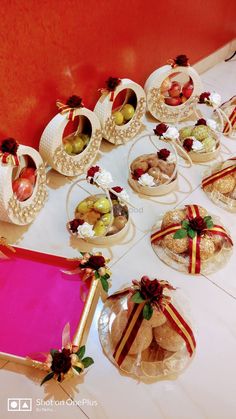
{"x":68,"y":147}
{"x":99,"y":228}
{"x":128,"y":112}
{"x":102,"y":205}
{"x":84,"y":206}
{"x":77,"y":145}
{"x":106,"y":219}
{"x":118,"y":117}
{"x":85,"y":138}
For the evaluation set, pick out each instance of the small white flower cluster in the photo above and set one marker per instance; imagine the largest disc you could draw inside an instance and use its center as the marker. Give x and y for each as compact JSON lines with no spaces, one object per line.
{"x":85,"y":230}
{"x":103,"y":178}
{"x":146,"y":180}
{"x":214,"y":99}
{"x":171,"y":134}
{"x":211,"y":124}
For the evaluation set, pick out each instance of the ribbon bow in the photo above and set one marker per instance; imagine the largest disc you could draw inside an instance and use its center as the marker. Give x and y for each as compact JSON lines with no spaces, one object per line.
{"x":194,"y":243}
{"x":179,"y":61}
{"x":8,"y":152}
{"x":135,"y":321}
{"x":232,"y":120}
{"x":220,"y":174}
{"x":111,"y":85}
{"x":73,"y":103}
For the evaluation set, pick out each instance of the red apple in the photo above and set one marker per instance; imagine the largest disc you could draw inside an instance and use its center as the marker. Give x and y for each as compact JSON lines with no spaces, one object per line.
{"x":23,"y":188}
{"x":175,"y":89}
{"x":173,"y":101}
{"x":187,"y":89}
{"x":28,"y":173}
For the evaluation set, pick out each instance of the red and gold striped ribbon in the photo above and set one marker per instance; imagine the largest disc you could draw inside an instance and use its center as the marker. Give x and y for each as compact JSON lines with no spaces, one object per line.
{"x":218,"y":175}
{"x":232,"y":119}
{"x":134,"y":322}
{"x":5,"y":249}
{"x":8,"y":158}
{"x":65,"y":109}
{"x":158,"y":235}
{"x":180,"y":326}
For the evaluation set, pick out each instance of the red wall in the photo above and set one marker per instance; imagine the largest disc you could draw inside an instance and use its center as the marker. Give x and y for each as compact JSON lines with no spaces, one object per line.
{"x":50,"y":49}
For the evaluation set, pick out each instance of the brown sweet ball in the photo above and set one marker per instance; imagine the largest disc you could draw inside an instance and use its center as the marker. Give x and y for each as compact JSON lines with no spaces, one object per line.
{"x":120,"y":221}
{"x":202,"y":211}
{"x":153,"y":161}
{"x":218,"y":241}
{"x":143,"y":338}
{"x":155,"y":173}
{"x":157,"y":319}
{"x":175,"y":245}
{"x":207,"y":248}
{"x":225,"y":185}
{"x":173,"y":217}
{"x":168,"y":338}
{"x":139,"y":163}
{"x":90,"y":217}
{"x":164,"y":178}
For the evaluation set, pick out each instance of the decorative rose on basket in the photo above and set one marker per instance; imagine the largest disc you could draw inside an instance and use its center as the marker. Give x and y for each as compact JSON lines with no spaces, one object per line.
{"x":190,"y":239}
{"x":211,"y":99}
{"x":64,"y":363}
{"x":181,"y":60}
{"x":95,"y":266}
{"x":8,"y":151}
{"x":73,"y":102}
{"x":166,"y":132}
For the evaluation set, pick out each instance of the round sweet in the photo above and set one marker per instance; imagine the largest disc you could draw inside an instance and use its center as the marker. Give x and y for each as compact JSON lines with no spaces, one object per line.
{"x":225,"y":185}
{"x":168,"y":338}
{"x":119,"y":222}
{"x":143,"y":338}
{"x":157,"y":319}
{"x":200,"y":132}
{"x":207,"y":248}
{"x":139,"y":164}
{"x":165,"y":167}
{"x":173,"y":217}
{"x":90,"y":217}
{"x":218,"y":241}
{"x":155,"y":173}
{"x":153,"y":161}
{"x":175,"y":245}
{"x":185,"y":132}
{"x":209,"y":144}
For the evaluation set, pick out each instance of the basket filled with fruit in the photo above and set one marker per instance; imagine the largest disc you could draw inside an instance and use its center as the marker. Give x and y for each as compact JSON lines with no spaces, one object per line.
{"x":154,"y":173}
{"x":121,"y":109}
{"x":99,"y":214}
{"x":172,"y":90}
{"x":72,"y":139}
{"x":219,"y":183}
{"x":200,"y":140}
{"x":144,"y":331}
{"x":191,"y":240}
{"x":22,"y":182}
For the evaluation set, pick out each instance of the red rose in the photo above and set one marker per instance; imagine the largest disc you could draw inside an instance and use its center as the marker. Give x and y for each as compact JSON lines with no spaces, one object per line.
{"x":112,"y":83}
{"x":150,"y":289}
{"x":74,"y":224}
{"x":163,"y":154}
{"x":138,"y":173}
{"x":160,"y":129}
{"x":91,"y":172}
{"x":9,"y":145}
{"x":117,"y":189}
{"x":61,"y":362}
{"x":197,"y":224}
{"x":74,"y":102}
{"x":181,"y":60}
{"x":204,"y":96}
{"x":95,"y":262}
{"x":187,"y":144}
{"x":201,"y":121}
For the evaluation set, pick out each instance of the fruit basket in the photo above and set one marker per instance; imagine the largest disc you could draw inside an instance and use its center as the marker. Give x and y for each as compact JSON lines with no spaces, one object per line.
{"x":99,"y":213}
{"x":72,"y":154}
{"x":152,"y":173}
{"x":22,"y":183}
{"x":219,"y":183}
{"x":120,"y":109}
{"x":200,"y":141}
{"x":172,"y":91}
{"x":143,"y":330}
{"x":191,"y":240}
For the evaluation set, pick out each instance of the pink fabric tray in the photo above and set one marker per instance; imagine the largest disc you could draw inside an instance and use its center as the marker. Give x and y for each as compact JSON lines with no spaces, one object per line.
{"x":36,"y":301}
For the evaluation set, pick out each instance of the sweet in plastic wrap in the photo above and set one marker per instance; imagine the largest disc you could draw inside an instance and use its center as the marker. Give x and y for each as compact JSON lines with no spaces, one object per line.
{"x":191,"y":240}
{"x":144,"y":332}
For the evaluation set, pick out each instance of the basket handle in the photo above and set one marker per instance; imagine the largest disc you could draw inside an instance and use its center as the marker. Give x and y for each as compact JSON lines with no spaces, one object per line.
{"x":222,"y":115}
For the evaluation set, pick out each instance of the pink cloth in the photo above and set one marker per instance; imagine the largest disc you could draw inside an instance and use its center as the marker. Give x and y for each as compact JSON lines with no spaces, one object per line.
{"x":36,"y":301}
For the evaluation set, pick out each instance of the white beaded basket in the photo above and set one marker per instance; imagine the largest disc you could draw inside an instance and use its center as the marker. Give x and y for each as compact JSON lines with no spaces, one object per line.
{"x":155,"y":102}
{"x":52,"y":150}
{"x":11,"y":209}
{"x":120,"y":134}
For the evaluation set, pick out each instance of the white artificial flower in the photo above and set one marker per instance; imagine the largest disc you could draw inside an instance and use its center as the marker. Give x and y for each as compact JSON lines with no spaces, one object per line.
{"x":197,"y":145}
{"x":171,"y":133}
{"x":211,"y":124}
{"x":85,"y":230}
{"x":103,"y":178}
{"x":146,"y":180}
{"x":171,"y":158}
{"x":123,"y":196}
{"x":215,"y":99}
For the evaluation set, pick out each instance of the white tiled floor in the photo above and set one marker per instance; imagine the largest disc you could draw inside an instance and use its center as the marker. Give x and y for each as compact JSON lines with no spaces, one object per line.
{"x":206,"y":390}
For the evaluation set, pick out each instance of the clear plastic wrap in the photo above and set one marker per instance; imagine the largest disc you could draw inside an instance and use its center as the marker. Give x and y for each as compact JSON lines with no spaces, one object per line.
{"x":206,"y":252}
{"x":158,"y":350}
{"x":219,"y":183}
